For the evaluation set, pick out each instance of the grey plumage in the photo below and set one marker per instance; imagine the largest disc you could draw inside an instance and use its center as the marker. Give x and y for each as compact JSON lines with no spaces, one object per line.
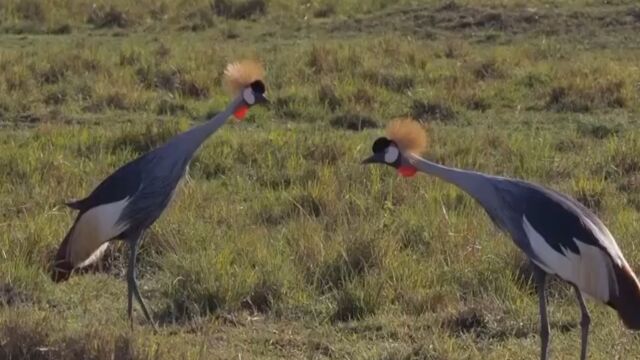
{"x":559,"y":235}
{"x":130,"y":200}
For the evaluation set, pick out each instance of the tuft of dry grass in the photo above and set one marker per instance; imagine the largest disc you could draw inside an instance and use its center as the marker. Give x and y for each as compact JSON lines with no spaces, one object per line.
{"x":579,"y":96}
{"x":355,"y":122}
{"x":238,"y":10}
{"x":430,"y":111}
{"x":108,"y":17}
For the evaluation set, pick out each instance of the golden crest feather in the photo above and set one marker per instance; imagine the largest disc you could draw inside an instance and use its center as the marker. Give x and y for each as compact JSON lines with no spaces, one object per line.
{"x":408,"y":134}
{"x":241,"y":74}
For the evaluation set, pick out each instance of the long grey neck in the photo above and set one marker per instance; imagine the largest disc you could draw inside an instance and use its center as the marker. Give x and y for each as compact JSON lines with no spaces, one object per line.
{"x":474,"y":183}
{"x":193,"y":138}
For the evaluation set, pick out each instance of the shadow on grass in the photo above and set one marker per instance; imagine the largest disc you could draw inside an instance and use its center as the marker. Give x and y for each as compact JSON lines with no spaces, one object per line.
{"x":354,"y":122}
{"x":13,"y":296}
{"x":33,"y":340}
{"x":187,"y":304}
{"x":476,"y":322}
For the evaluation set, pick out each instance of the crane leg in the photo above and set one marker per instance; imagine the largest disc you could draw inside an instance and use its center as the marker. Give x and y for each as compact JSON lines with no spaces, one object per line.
{"x":130,"y":291}
{"x":540,"y":277}
{"x":585,"y":321}
{"x":133,"y":284}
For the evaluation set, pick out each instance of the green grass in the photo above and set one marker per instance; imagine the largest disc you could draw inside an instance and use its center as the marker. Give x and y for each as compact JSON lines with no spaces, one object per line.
{"x":279,"y":244}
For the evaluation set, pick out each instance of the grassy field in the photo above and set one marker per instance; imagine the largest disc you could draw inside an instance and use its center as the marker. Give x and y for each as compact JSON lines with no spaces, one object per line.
{"x":279,"y":244}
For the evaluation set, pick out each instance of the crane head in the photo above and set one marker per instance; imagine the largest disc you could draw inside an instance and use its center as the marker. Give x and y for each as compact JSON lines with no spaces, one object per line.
{"x":404,"y":136}
{"x":244,"y":80}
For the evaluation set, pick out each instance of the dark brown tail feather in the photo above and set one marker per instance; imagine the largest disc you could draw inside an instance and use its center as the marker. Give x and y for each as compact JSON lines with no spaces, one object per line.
{"x":627,"y":301}
{"x":62,"y":267}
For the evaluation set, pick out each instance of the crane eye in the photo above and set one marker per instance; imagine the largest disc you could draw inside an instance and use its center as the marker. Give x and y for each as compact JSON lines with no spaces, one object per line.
{"x":391,"y":154}
{"x":247,"y":95}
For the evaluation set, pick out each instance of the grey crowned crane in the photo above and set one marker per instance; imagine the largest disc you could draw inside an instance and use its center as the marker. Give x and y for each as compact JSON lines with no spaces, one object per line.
{"x":131,"y":199}
{"x":558,"y":234}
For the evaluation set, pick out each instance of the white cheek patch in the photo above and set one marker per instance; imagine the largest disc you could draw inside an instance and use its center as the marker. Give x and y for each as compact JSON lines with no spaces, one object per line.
{"x":391,"y":154}
{"x":248,"y":96}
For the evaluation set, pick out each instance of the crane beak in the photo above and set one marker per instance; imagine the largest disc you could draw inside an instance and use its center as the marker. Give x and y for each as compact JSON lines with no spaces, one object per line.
{"x":262,"y":99}
{"x":375,"y":158}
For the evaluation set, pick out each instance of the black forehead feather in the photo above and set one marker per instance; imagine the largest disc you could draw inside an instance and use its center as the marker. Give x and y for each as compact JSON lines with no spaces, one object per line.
{"x":258,"y":87}
{"x":380,"y":144}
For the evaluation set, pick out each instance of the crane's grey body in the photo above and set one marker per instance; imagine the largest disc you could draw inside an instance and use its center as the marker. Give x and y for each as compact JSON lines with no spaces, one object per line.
{"x":130,"y":200}
{"x":561,"y":220}
{"x":150,"y":180}
{"x":558,"y":234}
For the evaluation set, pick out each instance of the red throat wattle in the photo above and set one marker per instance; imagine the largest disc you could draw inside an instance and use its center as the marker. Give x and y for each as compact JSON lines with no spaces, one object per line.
{"x":241,"y":111}
{"x":407,"y":170}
